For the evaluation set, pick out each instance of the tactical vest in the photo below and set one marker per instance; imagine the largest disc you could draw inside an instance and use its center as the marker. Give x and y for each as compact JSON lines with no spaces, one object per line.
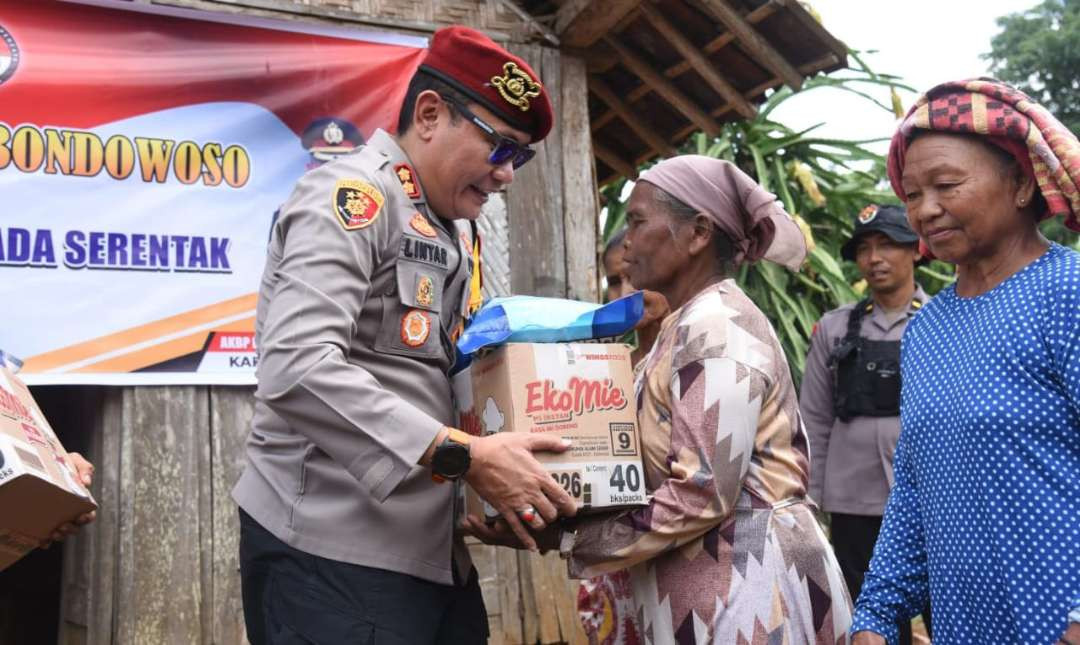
{"x":866,"y":372}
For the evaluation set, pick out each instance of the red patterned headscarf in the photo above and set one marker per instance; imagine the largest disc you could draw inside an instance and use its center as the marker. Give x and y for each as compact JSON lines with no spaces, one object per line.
{"x":1009,"y":119}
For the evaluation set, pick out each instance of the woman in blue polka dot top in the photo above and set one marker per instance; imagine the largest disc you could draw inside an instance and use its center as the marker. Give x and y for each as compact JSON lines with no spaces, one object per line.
{"x":984,"y":518}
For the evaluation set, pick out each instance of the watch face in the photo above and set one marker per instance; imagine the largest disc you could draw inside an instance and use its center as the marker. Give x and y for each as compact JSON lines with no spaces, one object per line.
{"x":450,"y":460}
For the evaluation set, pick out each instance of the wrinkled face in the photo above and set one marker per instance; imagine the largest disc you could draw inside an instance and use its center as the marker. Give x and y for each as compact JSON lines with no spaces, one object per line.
{"x":961,"y":198}
{"x":884,"y":264}
{"x":618,"y":283}
{"x":460,"y":179}
{"x":654,"y":256}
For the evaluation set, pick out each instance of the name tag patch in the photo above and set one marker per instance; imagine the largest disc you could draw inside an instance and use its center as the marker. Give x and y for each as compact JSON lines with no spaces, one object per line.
{"x":421,"y":251}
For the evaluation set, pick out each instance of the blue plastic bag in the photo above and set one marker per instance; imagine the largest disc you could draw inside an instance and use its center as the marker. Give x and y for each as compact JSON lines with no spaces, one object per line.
{"x":530,"y":319}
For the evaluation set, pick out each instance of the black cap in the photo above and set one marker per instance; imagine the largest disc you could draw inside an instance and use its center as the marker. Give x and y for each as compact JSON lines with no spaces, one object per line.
{"x":890,"y":220}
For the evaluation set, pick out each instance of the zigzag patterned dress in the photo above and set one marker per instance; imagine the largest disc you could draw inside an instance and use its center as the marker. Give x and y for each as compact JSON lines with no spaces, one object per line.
{"x":727,"y":551}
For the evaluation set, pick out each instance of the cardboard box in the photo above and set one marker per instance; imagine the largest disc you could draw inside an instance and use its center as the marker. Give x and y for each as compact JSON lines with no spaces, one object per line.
{"x":39,"y":488}
{"x":583,"y":392}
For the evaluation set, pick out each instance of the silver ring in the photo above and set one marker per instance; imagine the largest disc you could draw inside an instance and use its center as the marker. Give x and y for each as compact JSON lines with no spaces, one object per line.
{"x":527,"y":514}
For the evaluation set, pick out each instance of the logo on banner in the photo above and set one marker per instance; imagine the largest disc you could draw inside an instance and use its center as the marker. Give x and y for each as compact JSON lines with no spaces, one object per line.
{"x":357,"y":203}
{"x":9,"y":56}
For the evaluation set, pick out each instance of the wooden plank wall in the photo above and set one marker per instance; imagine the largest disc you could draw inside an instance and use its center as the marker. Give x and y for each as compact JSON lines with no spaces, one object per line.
{"x":160,"y":565}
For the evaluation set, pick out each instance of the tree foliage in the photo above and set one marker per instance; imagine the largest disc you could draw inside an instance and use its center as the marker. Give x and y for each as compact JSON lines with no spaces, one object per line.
{"x":1039,"y":51}
{"x":823,"y":182}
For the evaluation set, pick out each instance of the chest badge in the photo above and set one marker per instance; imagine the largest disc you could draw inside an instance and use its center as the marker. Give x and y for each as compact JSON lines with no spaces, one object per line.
{"x":415,"y":327}
{"x":425,"y":291}
{"x":420,"y":224}
{"x":407,"y":178}
{"x":357,"y":203}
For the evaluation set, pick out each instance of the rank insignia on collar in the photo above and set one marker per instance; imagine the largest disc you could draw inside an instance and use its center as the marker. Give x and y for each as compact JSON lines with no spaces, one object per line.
{"x":420,"y":224}
{"x":356,"y":203}
{"x":415,"y":327}
{"x":407,"y":178}
{"x":516,"y":86}
{"x":425,"y":290}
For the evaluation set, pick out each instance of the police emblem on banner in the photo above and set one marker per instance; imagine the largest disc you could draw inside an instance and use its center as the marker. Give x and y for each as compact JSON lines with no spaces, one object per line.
{"x":9,"y":56}
{"x":415,"y":327}
{"x":420,"y":224}
{"x":356,"y":203}
{"x":868,"y":214}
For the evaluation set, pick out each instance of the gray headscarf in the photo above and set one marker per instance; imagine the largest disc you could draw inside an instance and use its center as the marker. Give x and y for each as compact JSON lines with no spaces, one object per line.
{"x":749,"y":215}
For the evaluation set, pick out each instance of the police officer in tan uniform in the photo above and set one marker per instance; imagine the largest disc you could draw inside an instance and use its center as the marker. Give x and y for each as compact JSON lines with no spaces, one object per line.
{"x":346,"y":502}
{"x":850,"y":396}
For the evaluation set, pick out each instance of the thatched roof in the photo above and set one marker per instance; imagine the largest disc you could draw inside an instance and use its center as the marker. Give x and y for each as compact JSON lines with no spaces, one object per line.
{"x":661,"y":70}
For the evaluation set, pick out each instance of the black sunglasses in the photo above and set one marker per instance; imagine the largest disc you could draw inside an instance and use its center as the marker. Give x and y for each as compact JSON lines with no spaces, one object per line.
{"x":506,"y":149}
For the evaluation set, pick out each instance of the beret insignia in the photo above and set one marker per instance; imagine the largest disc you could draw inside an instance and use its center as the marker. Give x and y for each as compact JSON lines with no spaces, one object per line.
{"x":516,"y":86}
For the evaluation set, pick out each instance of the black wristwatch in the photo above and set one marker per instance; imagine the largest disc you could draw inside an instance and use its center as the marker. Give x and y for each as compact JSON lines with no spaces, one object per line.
{"x":451,"y":458}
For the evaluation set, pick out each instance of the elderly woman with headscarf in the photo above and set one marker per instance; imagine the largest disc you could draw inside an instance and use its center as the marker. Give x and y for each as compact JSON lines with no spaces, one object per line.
{"x":727,"y":550}
{"x":984,"y":518}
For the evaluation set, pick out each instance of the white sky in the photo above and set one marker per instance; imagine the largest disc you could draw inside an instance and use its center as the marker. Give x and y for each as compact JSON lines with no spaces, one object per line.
{"x":925,"y":42}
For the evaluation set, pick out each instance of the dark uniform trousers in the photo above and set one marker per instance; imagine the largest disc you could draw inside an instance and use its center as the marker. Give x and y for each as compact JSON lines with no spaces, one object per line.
{"x":853,"y":538}
{"x":295,"y":598}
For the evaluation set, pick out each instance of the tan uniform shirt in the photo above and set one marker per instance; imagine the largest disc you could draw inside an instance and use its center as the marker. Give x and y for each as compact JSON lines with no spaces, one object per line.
{"x":361,"y":291}
{"x":850,"y":462}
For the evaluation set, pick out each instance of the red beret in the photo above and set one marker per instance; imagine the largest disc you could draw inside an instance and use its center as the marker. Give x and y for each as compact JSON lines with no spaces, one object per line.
{"x":473,"y":64}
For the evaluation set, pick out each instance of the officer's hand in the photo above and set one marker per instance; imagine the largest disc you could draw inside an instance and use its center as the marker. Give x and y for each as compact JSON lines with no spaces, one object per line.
{"x":499,"y":533}
{"x":84,"y":470}
{"x":504,"y":472}
{"x":868,"y":638}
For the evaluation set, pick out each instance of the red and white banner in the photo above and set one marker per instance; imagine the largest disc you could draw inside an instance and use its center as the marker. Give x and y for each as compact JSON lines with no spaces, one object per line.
{"x":143,"y":154}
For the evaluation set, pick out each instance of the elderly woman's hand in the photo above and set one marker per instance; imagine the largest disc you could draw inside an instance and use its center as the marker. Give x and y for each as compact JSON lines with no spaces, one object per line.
{"x":499,"y":533}
{"x":1071,"y":635}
